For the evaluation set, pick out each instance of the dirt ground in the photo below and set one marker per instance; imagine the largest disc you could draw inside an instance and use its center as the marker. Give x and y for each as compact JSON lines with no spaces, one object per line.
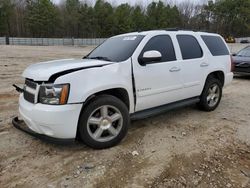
{"x":182,"y":148}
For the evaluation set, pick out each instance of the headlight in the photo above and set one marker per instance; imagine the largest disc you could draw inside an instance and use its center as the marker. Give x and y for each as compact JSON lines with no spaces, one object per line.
{"x":54,"y":94}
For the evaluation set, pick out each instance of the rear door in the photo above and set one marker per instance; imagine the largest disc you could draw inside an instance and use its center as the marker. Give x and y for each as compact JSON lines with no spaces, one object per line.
{"x":157,"y":83}
{"x":194,"y":65}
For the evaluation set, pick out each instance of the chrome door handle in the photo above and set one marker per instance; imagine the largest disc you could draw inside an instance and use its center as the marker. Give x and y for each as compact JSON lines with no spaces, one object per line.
{"x":174,"y":69}
{"x":204,"y":64}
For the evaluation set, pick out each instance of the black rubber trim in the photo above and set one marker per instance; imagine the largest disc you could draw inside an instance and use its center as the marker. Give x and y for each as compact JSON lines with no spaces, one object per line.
{"x":242,"y":73}
{"x":56,"y":75}
{"x":19,"y":124}
{"x":133,"y":83}
{"x":162,"y":109}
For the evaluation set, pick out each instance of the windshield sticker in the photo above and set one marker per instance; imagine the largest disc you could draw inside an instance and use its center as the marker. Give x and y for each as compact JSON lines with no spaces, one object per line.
{"x":130,"y":38}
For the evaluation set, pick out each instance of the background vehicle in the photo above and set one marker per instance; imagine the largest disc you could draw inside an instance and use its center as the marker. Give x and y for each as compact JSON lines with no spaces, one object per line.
{"x":129,"y":76}
{"x":230,"y":39}
{"x":241,"y":61}
{"x":244,"y":41}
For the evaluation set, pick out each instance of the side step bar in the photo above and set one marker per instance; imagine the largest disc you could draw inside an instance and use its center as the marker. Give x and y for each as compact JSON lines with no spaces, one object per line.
{"x":162,"y":109}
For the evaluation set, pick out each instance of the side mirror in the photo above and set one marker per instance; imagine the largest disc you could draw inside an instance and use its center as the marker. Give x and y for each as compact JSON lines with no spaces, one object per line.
{"x":150,"y":56}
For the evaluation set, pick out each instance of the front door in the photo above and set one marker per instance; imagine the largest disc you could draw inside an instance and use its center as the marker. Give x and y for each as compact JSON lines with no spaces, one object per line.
{"x":157,"y":83}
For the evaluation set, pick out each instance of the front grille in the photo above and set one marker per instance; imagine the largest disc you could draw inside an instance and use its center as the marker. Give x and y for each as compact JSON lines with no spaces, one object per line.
{"x":31,"y":90}
{"x":29,"y":97}
{"x":30,"y":84}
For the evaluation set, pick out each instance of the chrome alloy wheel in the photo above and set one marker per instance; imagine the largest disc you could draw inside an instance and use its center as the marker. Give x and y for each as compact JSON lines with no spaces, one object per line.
{"x":105,"y":123}
{"x":213,"y":95}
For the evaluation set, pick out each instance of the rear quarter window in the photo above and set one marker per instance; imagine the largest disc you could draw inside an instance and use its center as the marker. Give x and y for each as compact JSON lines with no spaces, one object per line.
{"x":215,"y":45}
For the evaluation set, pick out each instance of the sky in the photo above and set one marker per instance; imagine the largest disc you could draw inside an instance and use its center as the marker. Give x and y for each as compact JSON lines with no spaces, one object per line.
{"x":140,"y":2}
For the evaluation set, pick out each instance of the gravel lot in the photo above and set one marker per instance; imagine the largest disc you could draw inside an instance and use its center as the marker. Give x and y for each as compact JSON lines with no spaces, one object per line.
{"x":182,"y":148}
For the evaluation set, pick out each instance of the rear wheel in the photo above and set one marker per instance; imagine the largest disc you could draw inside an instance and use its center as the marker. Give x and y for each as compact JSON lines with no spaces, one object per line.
{"x":104,"y":122}
{"x":211,"y":95}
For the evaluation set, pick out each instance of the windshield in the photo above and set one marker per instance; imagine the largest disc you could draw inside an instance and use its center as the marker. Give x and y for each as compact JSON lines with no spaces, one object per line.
{"x":116,"y":49}
{"x":245,"y":52}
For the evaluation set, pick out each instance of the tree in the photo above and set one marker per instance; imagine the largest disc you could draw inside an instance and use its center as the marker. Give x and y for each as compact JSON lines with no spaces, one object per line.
{"x":138,"y":19}
{"x":104,"y":19}
{"x":77,"y":18}
{"x":6,"y":11}
{"x":71,"y":16}
{"x":160,"y":16}
{"x":41,"y":18}
{"x":123,"y":19}
{"x":232,"y":17}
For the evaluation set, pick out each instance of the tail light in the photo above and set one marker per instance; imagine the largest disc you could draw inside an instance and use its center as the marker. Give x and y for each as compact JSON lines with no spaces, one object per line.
{"x":232,"y":64}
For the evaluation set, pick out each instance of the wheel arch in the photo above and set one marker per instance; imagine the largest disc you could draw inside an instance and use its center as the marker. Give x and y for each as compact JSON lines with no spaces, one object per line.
{"x":218,"y":74}
{"x":120,"y":93}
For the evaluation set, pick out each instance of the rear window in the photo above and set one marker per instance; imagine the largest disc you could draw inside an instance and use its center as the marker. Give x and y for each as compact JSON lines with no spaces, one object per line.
{"x":190,"y":48}
{"x":216,"y":45}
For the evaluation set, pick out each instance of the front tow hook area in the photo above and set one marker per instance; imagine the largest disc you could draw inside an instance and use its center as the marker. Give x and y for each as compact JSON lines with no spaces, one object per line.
{"x":18,"y":89}
{"x":20,"y":124}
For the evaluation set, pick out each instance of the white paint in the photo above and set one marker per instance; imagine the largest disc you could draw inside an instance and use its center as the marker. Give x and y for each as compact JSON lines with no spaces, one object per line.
{"x":155,"y":84}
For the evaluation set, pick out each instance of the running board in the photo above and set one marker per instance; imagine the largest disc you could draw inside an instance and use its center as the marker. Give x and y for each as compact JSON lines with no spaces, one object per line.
{"x":164,"y":108}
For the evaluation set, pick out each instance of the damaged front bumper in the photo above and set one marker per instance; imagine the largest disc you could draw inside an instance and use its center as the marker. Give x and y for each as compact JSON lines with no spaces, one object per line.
{"x":20,"y":124}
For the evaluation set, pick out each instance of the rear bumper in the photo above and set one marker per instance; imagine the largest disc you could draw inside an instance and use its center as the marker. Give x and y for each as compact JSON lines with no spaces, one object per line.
{"x":57,"y":121}
{"x":228,"y":78}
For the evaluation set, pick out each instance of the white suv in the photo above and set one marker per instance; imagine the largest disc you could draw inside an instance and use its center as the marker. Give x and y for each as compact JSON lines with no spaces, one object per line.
{"x":129,"y":76}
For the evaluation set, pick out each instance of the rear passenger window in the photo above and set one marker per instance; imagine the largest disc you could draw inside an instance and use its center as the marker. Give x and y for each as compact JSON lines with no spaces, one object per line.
{"x":190,"y":48}
{"x":216,"y":45}
{"x":163,"y":44}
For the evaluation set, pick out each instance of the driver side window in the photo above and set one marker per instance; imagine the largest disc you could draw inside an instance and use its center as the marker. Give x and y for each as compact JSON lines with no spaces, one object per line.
{"x":164,"y":45}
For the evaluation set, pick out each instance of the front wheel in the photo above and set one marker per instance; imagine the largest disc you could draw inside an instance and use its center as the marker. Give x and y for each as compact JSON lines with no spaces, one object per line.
{"x":104,"y":122}
{"x":211,"y":95}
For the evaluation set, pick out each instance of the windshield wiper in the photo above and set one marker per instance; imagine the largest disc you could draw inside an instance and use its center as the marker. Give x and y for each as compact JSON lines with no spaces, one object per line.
{"x":100,"y":58}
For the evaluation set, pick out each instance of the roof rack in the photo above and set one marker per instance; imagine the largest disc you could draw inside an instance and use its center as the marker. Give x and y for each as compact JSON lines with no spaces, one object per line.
{"x":177,"y":29}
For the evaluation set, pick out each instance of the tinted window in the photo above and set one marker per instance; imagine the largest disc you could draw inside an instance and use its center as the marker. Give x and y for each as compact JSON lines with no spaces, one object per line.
{"x":164,"y":45}
{"x":216,"y":45}
{"x":190,"y":48}
{"x":244,"y":52}
{"x":116,"y":49}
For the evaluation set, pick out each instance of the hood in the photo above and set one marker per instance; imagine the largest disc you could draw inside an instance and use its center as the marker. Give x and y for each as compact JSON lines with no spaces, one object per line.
{"x":44,"y":70}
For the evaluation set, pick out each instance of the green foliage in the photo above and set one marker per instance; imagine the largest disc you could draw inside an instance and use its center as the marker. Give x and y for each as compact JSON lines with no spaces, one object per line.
{"x":6,"y":11}
{"x":74,"y":18}
{"x":161,"y":16}
{"x":103,"y":14}
{"x":41,"y":17}
{"x":122,"y":19}
{"x":232,"y":17}
{"x":138,"y":19}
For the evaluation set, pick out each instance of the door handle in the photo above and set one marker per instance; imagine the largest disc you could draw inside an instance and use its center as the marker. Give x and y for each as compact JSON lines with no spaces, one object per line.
{"x":204,"y":64}
{"x":175,"y":69}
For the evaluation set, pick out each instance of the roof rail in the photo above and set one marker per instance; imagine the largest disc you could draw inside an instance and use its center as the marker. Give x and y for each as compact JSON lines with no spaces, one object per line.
{"x":177,"y":29}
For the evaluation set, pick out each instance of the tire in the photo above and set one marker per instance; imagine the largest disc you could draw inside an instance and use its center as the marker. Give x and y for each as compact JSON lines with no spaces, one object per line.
{"x":210,"y":97}
{"x":103,"y":122}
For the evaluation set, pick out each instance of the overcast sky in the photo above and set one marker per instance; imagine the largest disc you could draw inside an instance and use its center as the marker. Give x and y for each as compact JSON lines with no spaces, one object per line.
{"x":135,"y":2}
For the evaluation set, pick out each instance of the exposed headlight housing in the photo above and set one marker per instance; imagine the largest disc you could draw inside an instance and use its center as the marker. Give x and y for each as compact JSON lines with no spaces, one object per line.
{"x":54,"y":94}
